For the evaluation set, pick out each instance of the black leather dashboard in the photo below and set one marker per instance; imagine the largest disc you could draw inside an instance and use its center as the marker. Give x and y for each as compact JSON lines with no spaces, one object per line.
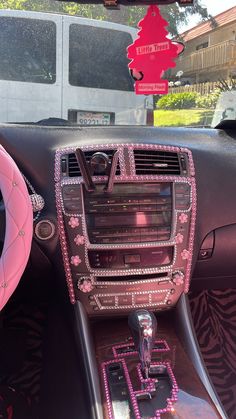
{"x":214,"y":155}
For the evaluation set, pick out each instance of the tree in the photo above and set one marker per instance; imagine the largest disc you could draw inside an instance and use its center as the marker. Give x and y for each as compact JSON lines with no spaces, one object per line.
{"x":174,"y":14}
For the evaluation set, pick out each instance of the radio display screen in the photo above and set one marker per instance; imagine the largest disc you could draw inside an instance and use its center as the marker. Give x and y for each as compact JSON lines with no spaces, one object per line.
{"x":137,"y":212}
{"x":139,"y":219}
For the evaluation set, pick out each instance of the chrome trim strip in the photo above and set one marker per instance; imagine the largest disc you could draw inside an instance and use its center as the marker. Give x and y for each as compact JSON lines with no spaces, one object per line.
{"x":84,"y":337}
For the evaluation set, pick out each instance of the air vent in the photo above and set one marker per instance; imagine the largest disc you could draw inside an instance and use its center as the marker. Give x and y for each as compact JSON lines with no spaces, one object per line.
{"x":73,"y":167}
{"x":154,"y":162}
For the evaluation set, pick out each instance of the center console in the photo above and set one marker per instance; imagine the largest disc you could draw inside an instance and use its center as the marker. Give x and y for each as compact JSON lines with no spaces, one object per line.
{"x":126,"y":217}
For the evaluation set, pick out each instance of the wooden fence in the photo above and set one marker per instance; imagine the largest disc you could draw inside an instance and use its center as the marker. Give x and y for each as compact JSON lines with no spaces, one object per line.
{"x":202,"y":88}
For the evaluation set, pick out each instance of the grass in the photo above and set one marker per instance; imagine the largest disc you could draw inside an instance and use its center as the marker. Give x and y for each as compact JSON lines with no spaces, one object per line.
{"x":183,"y":117}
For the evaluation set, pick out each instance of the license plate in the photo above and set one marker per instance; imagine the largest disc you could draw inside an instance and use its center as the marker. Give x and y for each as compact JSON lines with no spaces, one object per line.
{"x":93,"y":118}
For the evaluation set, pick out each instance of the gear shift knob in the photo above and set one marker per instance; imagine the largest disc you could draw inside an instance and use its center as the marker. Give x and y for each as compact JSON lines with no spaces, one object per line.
{"x":143,"y":327}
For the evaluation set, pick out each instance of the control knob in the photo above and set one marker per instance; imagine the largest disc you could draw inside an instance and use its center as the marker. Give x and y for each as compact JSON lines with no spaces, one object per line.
{"x":99,"y":162}
{"x":85,"y":284}
{"x":178,"y":278}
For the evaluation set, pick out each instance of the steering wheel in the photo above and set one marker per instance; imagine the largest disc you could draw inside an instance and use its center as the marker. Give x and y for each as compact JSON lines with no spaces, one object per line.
{"x":19,"y":226}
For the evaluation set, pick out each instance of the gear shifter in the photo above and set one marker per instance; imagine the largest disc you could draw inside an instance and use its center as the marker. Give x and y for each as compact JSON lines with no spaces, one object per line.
{"x":143,"y":327}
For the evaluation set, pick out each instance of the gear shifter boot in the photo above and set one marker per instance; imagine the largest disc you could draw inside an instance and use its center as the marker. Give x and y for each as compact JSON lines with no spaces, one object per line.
{"x":143,"y":327}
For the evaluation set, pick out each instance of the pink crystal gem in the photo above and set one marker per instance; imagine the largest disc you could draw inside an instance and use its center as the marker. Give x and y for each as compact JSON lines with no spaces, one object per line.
{"x":86,"y":286}
{"x":179,"y":238}
{"x":185,"y":254}
{"x":74,"y":222}
{"x":183,"y":218}
{"x":79,"y":240}
{"x":178,"y":279}
{"x":75,"y":260}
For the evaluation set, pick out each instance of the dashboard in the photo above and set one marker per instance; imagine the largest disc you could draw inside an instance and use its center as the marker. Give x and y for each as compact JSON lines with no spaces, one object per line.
{"x":126,"y":230}
{"x":139,"y":215}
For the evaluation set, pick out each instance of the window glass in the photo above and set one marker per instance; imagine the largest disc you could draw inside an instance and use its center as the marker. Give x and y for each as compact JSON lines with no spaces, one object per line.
{"x":97,"y":58}
{"x":27,"y":50}
{"x":202,"y":46}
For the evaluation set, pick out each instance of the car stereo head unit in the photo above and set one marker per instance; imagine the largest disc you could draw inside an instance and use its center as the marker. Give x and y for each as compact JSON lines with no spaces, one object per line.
{"x":132,"y":213}
{"x":126,"y":236}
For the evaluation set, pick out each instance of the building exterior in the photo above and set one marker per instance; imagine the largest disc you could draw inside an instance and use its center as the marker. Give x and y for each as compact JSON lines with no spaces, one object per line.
{"x":210,"y":50}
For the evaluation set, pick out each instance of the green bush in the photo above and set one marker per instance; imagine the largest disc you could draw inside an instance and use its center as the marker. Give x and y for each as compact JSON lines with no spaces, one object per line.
{"x":208,"y":101}
{"x":173,"y":101}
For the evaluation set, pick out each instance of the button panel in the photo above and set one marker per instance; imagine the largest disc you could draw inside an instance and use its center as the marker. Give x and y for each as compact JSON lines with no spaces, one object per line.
{"x":131,"y":300}
{"x":182,"y":196}
{"x":72,"y":198}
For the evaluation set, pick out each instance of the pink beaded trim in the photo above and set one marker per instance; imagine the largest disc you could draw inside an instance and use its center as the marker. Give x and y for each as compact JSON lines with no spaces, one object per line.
{"x":130,"y":387}
{"x":135,"y":353}
{"x":64,"y":245}
{"x":191,"y":236}
{"x":147,"y":383}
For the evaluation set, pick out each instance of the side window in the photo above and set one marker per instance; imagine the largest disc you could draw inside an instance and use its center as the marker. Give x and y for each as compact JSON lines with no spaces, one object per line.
{"x":97,"y":58}
{"x":27,"y":50}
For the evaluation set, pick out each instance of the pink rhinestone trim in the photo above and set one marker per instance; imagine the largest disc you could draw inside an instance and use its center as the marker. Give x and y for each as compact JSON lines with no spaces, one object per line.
{"x":148,"y":384}
{"x":64,"y":245}
{"x":130,"y":387}
{"x":191,"y":233}
{"x":124,"y":177}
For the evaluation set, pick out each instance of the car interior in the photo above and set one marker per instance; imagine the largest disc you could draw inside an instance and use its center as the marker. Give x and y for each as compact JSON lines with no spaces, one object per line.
{"x":117,"y":290}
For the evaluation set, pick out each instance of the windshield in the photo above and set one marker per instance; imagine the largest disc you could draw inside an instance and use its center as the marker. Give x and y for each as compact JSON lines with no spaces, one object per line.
{"x":64,"y":63}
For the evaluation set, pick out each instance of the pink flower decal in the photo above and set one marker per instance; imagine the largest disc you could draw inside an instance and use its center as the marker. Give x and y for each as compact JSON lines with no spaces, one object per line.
{"x":179,"y":238}
{"x":86,"y":286}
{"x":79,"y":240}
{"x":185,"y":254}
{"x":74,"y":222}
{"x":183,"y":218}
{"x":75,"y":260}
{"x":178,"y":279}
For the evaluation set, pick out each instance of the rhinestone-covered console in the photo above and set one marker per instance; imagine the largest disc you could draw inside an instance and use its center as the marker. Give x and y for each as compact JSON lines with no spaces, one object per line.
{"x":127,"y":391}
{"x":117,"y":272}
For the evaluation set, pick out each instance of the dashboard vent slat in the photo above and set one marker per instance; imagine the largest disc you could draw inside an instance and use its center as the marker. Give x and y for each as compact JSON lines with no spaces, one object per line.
{"x":73,"y":167}
{"x":156,"y":162}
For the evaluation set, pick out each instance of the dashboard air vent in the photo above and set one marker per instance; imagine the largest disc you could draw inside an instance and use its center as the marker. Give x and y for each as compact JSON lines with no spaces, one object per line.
{"x":154,"y":162}
{"x":73,"y":167}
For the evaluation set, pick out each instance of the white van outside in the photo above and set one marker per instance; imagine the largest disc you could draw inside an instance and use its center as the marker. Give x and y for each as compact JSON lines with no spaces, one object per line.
{"x":53,"y":66}
{"x":225,"y":107}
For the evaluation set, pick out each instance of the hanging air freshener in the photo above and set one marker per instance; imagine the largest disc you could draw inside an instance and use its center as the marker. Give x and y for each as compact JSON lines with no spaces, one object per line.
{"x":152,"y":53}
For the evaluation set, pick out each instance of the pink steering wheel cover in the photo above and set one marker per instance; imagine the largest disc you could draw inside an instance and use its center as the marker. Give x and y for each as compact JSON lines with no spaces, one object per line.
{"x":19,"y":226}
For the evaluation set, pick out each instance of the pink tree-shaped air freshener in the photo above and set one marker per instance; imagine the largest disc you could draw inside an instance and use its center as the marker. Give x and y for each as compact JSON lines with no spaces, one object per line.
{"x":152,"y":53}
